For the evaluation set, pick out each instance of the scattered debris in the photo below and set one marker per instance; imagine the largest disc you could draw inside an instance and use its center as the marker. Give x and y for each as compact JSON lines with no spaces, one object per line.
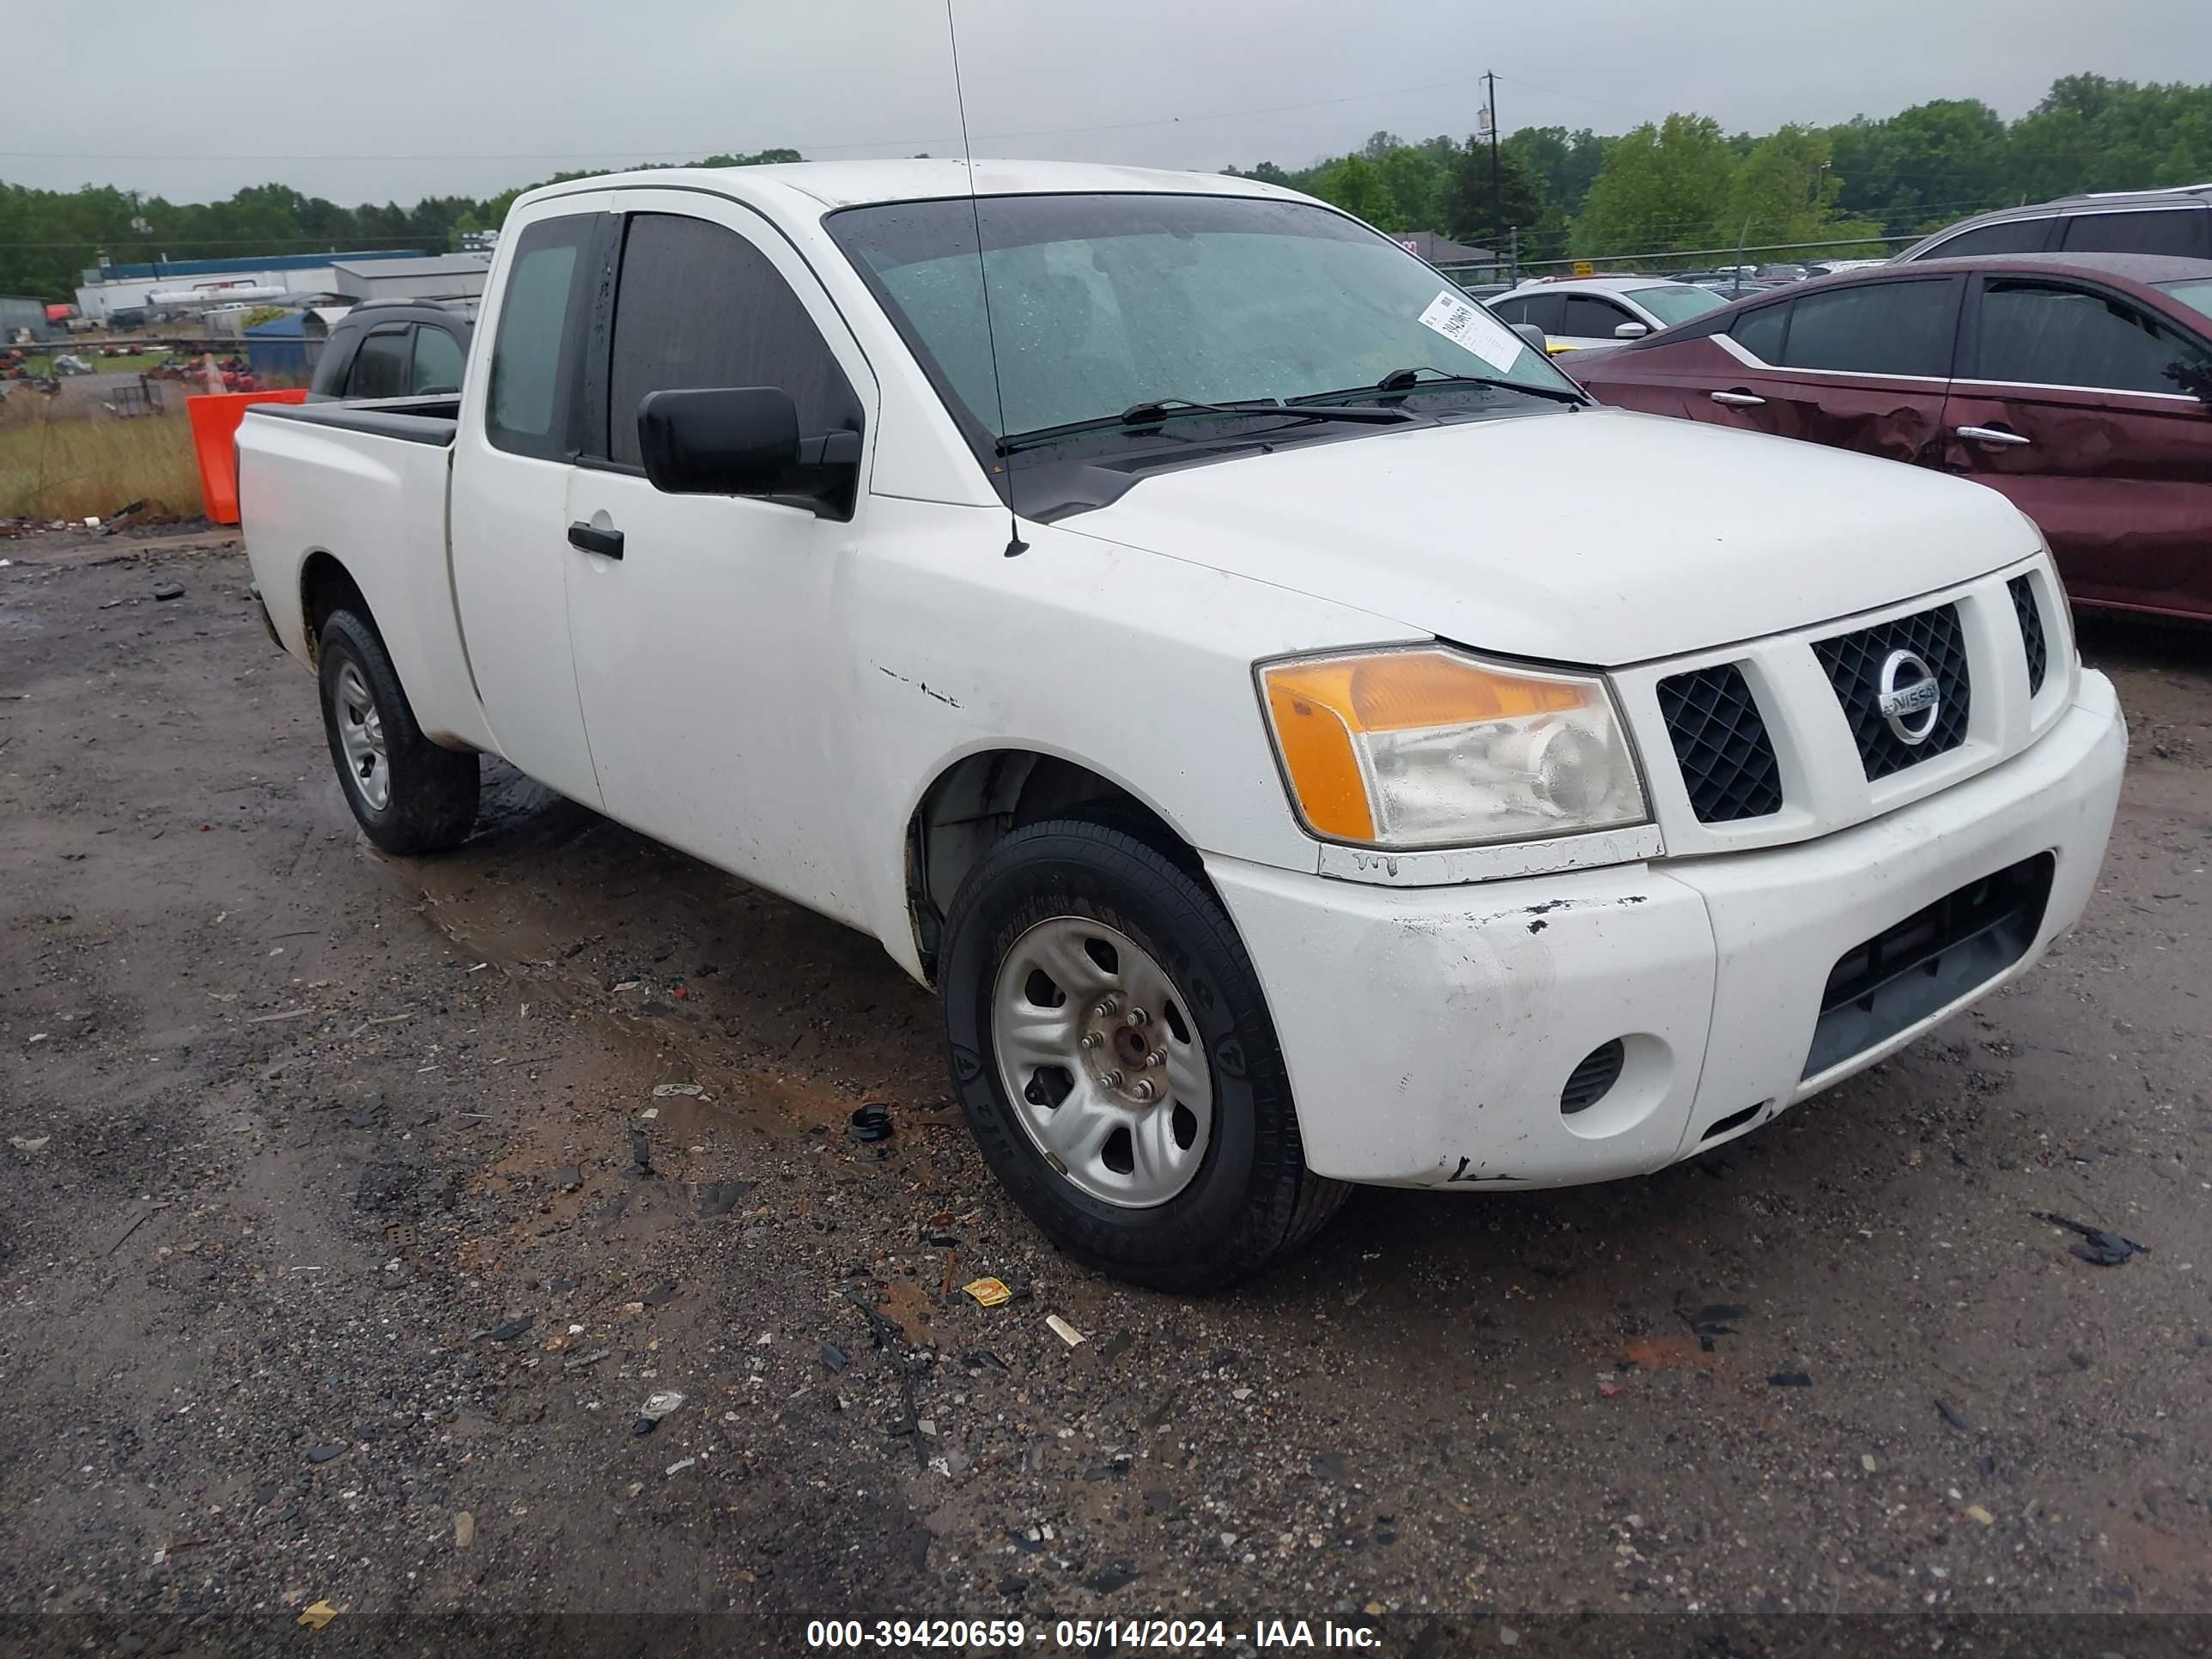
{"x":1981,"y":1516}
{"x":30,"y":1143}
{"x":317,"y":1616}
{"x":656,"y":1406}
{"x":873,"y":1123}
{"x":512,"y":1328}
{"x":1954,"y":1416}
{"x":663,"y":1090}
{"x":2100,"y":1246}
{"x":1790,"y":1380}
{"x":464,"y":1530}
{"x":168,"y":590}
{"x":1114,"y":1347}
{"x":136,"y":1221}
{"x":1609,"y":1389}
{"x":323,"y":1454}
{"x":720,"y":1197}
{"x":1066,"y":1331}
{"x":679,"y":1466}
{"x":834,"y":1358}
{"x":584,"y":1359}
{"x":1108,"y":1579}
{"x":1866,"y":1463}
{"x":1714,"y":1319}
{"x":988,"y":1292}
{"x":640,"y":1153}
{"x":568,"y":1178}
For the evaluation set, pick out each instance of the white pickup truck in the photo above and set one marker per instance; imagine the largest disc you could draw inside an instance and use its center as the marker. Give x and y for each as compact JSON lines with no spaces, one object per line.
{"x":1303,"y":739}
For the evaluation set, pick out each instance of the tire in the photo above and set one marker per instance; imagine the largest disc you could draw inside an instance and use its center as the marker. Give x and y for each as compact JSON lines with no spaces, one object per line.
{"x":1238,"y":1194}
{"x":408,"y":794}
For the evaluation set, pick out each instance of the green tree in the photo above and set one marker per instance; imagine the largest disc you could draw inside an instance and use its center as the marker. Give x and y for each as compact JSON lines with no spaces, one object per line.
{"x":1355,"y":184}
{"x":1414,"y":181}
{"x":1482,"y":214}
{"x":1662,"y":187}
{"x":1566,"y":161}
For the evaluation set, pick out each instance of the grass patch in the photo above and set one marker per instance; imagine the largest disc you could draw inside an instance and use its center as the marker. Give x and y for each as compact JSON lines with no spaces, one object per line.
{"x":87,"y":467}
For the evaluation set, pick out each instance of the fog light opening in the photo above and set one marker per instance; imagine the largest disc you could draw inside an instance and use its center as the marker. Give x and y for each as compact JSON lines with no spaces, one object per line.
{"x":1593,"y":1077}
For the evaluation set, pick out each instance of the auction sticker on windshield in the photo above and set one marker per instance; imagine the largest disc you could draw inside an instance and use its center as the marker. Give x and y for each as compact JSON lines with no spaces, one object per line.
{"x":1464,"y":323}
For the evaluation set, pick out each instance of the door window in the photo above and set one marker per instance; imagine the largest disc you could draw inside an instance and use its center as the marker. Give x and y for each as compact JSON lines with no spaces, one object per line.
{"x":2006,"y":236}
{"x":437,"y":360}
{"x":1874,"y":328}
{"x":1541,"y":309}
{"x":2042,"y":334}
{"x":380,"y":367}
{"x":1590,"y":318}
{"x":2157,"y":230}
{"x":698,"y":304}
{"x":1759,"y":331}
{"x":532,"y":355}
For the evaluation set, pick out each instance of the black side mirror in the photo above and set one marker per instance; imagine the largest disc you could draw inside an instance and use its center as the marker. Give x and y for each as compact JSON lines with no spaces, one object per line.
{"x":743,"y":441}
{"x":2195,"y":378}
{"x":726,"y":440}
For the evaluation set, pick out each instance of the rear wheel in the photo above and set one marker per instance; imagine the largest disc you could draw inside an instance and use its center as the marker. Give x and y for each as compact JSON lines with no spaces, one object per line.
{"x":407,"y":793}
{"x":1112,"y":1050}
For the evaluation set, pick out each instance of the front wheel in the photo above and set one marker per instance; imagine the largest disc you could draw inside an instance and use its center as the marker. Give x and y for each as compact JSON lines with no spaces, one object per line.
{"x":1113,"y":1052}
{"x":410,"y":795}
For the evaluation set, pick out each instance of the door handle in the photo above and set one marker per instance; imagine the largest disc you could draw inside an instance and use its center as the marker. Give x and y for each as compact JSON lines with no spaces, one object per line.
{"x":1737,"y":400}
{"x":607,"y":543}
{"x":1992,"y":435}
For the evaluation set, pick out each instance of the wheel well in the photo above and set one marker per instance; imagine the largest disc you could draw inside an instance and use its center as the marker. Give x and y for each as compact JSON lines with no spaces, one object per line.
{"x":324,"y":586}
{"x":979,"y":801}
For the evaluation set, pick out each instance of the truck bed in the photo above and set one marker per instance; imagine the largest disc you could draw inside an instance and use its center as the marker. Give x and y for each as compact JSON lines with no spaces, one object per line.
{"x":366,"y":484}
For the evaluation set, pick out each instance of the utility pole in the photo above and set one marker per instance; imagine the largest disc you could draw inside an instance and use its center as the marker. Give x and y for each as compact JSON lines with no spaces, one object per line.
{"x":1496,"y":196}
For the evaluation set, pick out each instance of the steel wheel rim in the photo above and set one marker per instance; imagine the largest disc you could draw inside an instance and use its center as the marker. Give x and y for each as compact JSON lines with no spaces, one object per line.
{"x":1109,"y":1081}
{"x":361,"y":736}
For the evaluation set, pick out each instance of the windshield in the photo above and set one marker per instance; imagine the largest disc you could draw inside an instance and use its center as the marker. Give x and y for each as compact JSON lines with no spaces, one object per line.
{"x":2195,"y":292}
{"x":1100,"y":303}
{"x":1677,"y":302}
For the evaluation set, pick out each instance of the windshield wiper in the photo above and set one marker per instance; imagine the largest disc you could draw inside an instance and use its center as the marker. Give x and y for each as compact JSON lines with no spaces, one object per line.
{"x":1400,"y":382}
{"x":1156,"y":411}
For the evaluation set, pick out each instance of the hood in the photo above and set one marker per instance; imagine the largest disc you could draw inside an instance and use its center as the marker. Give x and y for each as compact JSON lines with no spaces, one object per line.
{"x":1599,"y":537}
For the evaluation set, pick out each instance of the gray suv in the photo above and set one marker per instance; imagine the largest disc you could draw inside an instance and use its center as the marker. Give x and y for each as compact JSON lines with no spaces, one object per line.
{"x":2173,"y":221}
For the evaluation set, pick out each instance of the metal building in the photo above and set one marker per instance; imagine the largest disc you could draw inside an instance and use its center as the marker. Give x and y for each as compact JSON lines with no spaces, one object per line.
{"x":18,"y":313}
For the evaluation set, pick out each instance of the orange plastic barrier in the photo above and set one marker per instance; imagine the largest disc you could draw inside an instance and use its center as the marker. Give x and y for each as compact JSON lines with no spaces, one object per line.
{"x":215,"y":417}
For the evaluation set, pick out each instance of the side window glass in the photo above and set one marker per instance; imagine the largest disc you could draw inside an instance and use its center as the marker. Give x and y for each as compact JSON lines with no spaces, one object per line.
{"x":1545,"y":310}
{"x":698,"y":305}
{"x":335,"y":363}
{"x":1592,"y":319}
{"x":532,"y":371}
{"x":2037,"y":334}
{"x":1759,"y":331}
{"x":1876,"y":328}
{"x":2006,"y":236}
{"x":380,"y":367}
{"x":437,"y":360}
{"x":2170,"y":230}
{"x":1512,"y":311}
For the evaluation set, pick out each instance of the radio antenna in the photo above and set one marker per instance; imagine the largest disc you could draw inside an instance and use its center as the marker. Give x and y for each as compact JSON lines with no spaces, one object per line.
{"x":1015,"y":544}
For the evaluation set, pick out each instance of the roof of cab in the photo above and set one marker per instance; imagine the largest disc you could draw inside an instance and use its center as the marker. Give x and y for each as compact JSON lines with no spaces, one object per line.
{"x":854,"y":183}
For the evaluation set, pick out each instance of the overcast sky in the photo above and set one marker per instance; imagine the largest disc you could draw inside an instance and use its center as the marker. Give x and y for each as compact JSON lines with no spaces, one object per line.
{"x":469,"y":96}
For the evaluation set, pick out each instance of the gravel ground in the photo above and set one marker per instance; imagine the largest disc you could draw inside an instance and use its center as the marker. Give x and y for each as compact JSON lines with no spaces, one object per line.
{"x":352,"y":1208}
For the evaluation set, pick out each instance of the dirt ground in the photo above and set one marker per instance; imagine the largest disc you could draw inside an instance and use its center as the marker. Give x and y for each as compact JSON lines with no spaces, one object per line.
{"x":333,"y":1275}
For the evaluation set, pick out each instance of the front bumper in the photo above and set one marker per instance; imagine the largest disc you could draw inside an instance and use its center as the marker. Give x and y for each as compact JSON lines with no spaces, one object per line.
{"x":1430,"y":1031}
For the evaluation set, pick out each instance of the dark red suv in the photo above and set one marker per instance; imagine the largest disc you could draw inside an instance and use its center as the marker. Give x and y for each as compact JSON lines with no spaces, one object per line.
{"x":2078,"y":384}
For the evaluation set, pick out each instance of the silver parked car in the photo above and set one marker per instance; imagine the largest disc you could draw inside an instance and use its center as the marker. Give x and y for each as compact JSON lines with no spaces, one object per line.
{"x":2170,"y":221}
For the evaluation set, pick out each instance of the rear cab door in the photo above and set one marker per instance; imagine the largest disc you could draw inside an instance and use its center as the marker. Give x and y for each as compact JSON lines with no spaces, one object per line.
{"x":513,"y":462}
{"x":2063,"y":405}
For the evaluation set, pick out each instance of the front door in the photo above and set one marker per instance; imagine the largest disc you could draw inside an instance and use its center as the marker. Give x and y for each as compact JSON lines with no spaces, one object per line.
{"x":2064,"y":404}
{"x":708,"y":655}
{"x":510,"y":549}
{"x":1861,"y":366}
